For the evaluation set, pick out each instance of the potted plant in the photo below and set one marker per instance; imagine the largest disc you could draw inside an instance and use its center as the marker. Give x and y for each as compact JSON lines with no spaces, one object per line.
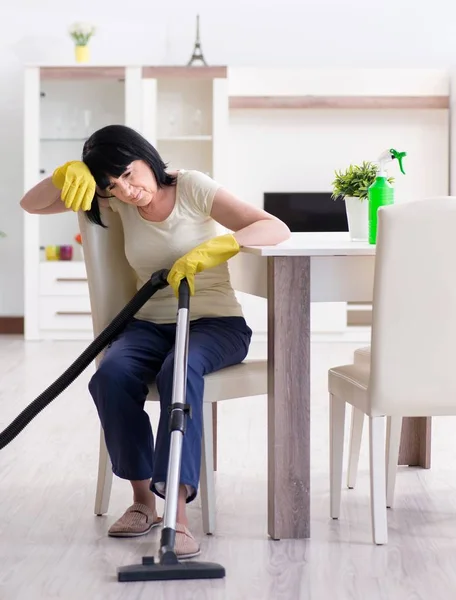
{"x":81,"y":34}
{"x":352,"y":186}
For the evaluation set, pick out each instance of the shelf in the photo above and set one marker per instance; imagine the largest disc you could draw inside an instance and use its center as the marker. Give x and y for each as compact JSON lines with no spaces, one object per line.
{"x":340,"y":102}
{"x":44,"y":261}
{"x":185,"y":72}
{"x":82,"y":72}
{"x":113,"y":72}
{"x":186,"y":138}
{"x":76,"y":139}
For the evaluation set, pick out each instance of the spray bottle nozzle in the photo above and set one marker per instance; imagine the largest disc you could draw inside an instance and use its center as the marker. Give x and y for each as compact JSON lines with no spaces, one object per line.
{"x":386,"y":157}
{"x":399,"y":156}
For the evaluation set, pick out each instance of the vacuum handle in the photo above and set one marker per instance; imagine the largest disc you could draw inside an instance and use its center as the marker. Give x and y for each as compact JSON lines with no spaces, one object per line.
{"x":184,"y":294}
{"x":159,"y":279}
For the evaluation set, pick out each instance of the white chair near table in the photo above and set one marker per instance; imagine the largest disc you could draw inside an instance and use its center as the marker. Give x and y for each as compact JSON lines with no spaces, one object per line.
{"x":409,"y":370}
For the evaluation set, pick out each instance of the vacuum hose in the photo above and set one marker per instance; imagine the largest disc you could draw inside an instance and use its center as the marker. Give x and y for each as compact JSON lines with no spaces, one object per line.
{"x":157,"y":281}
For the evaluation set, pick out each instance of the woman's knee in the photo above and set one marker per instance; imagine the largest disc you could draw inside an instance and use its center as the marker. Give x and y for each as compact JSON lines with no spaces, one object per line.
{"x":165,"y":375}
{"x":114,"y":377}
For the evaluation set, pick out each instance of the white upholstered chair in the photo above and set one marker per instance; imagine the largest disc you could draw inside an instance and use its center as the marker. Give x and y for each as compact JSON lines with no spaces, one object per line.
{"x":411,"y":369}
{"x":362,"y":356}
{"x":111,"y":285}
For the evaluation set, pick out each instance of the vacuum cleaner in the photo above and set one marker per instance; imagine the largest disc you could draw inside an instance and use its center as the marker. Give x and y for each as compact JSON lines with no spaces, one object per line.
{"x":168,"y":567}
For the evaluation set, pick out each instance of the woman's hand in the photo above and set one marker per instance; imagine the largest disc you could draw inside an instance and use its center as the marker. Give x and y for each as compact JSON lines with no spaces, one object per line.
{"x":77,"y":185}
{"x":205,"y":256}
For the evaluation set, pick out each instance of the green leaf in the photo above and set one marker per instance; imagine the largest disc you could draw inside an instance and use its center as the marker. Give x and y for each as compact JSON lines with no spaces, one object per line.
{"x":355,"y":180}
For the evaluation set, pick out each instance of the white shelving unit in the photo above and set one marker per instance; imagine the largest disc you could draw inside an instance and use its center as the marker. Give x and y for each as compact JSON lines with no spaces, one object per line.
{"x":182,"y":111}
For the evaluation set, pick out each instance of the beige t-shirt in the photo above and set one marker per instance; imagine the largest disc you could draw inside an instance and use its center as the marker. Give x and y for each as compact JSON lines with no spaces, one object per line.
{"x":150,"y":247}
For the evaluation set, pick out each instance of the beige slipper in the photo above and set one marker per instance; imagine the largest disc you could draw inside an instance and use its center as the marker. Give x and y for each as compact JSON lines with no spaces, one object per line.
{"x":137,"y":520}
{"x":185,"y":545}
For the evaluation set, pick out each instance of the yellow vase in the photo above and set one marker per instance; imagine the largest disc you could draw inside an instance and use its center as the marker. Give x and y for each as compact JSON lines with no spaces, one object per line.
{"x":82,"y":54}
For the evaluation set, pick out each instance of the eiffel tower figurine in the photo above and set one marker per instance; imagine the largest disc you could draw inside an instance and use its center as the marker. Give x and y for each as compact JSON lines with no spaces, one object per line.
{"x":197,"y":56}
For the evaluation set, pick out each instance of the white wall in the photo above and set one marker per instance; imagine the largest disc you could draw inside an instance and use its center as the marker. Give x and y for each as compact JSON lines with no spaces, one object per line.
{"x":234,"y":32}
{"x":297,"y":151}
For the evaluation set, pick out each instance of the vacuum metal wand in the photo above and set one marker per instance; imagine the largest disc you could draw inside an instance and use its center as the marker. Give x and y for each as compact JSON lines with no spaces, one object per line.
{"x":179,"y":411}
{"x":169,"y":567}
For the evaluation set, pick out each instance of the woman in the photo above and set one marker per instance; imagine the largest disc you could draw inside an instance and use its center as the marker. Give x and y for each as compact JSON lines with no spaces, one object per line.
{"x":169,"y":221}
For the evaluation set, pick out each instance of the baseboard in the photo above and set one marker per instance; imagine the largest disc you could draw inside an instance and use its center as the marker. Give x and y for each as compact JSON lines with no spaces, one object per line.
{"x":11,"y":325}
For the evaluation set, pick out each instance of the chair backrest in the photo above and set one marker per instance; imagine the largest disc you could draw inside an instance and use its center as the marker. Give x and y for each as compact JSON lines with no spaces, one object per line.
{"x":413,"y":343}
{"x":111,"y":279}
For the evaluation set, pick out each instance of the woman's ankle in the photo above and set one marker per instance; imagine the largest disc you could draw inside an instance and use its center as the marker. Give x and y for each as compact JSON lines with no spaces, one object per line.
{"x":148,"y":501}
{"x":181,"y":517}
{"x":142,"y":493}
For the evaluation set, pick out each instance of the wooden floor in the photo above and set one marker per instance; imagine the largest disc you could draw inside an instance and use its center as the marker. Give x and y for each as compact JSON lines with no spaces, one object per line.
{"x":53,"y":546}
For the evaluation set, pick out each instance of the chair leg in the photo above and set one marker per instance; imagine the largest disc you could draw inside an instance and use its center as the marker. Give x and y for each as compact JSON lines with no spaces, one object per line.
{"x":393,"y":441}
{"x":356,"y":434}
{"x":378,"y":480}
{"x":207,"y":472}
{"x":104,"y":482}
{"x":214,"y":431}
{"x":336,"y":437}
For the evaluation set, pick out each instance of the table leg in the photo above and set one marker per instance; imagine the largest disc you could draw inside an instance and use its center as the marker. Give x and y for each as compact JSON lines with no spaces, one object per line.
{"x":415,"y":448}
{"x":289,"y":397}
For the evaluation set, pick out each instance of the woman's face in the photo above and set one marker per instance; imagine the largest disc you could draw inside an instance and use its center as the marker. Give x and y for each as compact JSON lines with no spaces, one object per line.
{"x":137,"y":185}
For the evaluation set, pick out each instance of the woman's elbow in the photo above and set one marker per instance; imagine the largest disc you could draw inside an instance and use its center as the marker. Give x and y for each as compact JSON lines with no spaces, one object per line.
{"x":282,"y":232}
{"x":286,"y":232}
{"x":26,"y":206}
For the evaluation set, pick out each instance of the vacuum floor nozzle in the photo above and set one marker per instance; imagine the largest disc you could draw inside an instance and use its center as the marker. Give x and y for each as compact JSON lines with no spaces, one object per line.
{"x":149,"y":570}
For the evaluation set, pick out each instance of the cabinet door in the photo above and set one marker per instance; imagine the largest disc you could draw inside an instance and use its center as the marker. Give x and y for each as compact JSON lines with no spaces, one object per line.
{"x":71,"y":109}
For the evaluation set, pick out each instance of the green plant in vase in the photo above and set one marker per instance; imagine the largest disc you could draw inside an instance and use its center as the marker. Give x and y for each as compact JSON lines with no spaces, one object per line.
{"x":351,"y":185}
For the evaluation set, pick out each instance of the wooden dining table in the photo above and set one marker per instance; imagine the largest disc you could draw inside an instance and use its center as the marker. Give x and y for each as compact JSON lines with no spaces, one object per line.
{"x":309,"y":267}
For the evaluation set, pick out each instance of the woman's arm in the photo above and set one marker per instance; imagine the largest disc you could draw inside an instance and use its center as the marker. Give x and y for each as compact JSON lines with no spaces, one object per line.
{"x":43,"y":199}
{"x":251,"y":226}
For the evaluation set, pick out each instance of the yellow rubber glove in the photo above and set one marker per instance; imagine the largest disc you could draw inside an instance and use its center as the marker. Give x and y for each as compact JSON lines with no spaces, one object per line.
{"x":77,"y":185}
{"x":205,"y":256}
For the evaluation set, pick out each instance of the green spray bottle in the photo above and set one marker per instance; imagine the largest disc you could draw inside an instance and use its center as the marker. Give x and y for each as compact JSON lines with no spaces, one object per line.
{"x":381,"y":192}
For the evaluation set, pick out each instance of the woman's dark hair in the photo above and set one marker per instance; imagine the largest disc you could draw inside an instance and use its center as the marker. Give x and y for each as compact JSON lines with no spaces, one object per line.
{"x":108,"y":152}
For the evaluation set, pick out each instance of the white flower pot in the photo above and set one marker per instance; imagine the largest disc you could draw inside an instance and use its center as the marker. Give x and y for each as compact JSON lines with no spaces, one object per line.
{"x":358,"y":218}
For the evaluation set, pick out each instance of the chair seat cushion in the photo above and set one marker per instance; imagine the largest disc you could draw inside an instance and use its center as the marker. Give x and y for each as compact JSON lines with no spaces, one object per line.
{"x":248,"y":378}
{"x":350,"y":383}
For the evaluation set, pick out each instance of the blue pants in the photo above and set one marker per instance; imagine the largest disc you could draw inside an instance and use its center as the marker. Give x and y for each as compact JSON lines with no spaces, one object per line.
{"x":144,"y":353}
